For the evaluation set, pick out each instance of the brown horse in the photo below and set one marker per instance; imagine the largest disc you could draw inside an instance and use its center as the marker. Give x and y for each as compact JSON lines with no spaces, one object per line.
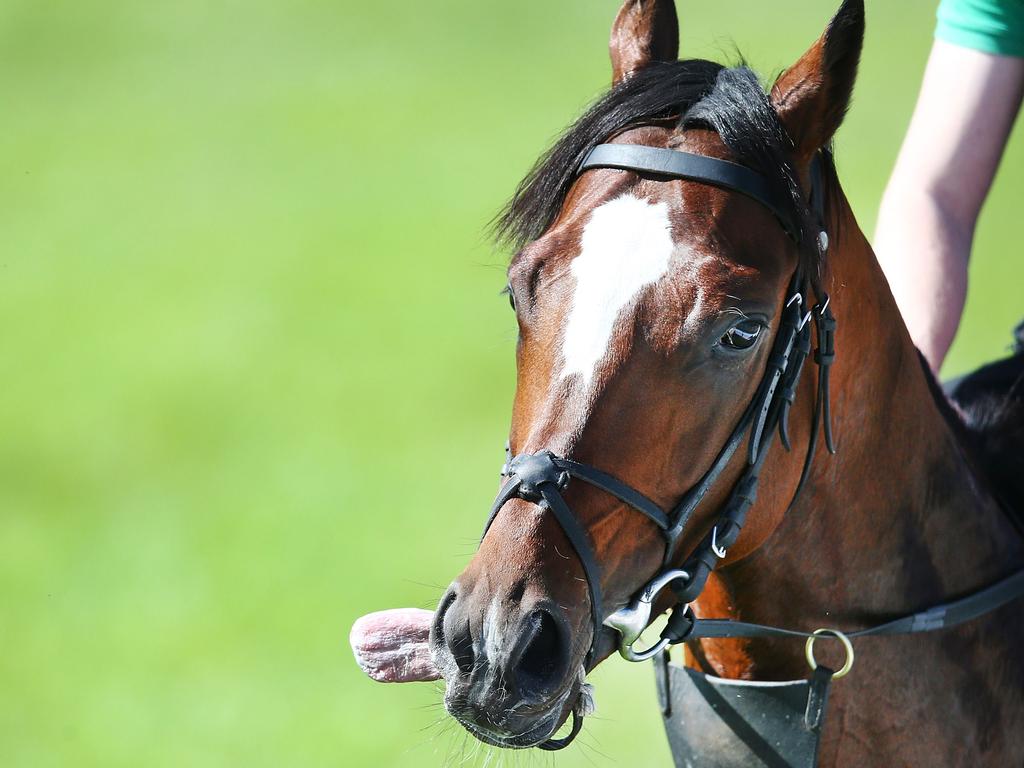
{"x":647,"y":309}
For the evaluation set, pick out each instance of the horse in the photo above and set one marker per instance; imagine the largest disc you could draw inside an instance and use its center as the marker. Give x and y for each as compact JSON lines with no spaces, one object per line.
{"x":651,"y":310}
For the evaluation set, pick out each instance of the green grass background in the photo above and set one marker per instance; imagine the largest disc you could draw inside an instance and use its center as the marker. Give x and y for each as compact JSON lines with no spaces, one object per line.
{"x":256,"y":372}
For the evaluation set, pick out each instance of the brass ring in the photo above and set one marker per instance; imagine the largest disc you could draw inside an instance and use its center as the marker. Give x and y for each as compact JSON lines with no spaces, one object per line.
{"x":847,"y":645}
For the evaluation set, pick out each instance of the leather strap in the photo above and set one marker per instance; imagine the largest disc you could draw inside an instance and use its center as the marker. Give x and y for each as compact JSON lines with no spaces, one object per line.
{"x":942,"y":616}
{"x":616,"y":488}
{"x":817,"y":697}
{"x":578,"y":538}
{"x":707,"y":170}
{"x":684,"y":510}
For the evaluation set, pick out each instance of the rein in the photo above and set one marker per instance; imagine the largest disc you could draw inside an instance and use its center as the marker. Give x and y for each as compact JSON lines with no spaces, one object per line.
{"x":542,"y":477}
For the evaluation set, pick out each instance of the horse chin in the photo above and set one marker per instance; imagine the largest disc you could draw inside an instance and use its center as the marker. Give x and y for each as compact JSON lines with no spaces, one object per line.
{"x":531,"y":732}
{"x":538,"y":735}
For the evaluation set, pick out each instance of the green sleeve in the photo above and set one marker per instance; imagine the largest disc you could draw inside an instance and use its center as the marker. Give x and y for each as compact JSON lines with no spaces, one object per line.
{"x":992,"y":26}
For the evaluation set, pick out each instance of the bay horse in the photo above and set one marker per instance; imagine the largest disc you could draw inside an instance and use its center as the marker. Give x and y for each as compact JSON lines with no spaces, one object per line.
{"x":650,"y":307}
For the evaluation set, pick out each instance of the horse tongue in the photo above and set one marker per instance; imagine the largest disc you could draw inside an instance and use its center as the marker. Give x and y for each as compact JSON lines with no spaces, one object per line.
{"x":391,"y":646}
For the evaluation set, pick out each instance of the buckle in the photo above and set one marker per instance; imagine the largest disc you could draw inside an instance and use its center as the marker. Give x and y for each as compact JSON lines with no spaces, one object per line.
{"x":720,"y":552}
{"x":798,"y":299}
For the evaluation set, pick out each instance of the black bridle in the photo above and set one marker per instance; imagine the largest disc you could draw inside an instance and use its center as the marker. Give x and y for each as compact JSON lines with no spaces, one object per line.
{"x":542,"y":477}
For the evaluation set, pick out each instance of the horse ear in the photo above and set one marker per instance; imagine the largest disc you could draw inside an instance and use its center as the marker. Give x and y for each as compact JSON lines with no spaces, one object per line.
{"x":643,"y":31}
{"x":812,"y":96}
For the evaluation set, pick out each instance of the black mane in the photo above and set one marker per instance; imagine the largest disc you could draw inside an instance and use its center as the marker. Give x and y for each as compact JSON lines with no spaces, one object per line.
{"x":694,"y":94}
{"x":989,"y":418}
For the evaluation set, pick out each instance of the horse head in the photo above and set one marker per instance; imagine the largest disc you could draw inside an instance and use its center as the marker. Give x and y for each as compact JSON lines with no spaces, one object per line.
{"x":650,"y":310}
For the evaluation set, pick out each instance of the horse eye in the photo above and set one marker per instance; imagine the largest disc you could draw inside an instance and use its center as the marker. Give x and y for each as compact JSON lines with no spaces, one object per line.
{"x":511,"y":297}
{"x":743,"y":335}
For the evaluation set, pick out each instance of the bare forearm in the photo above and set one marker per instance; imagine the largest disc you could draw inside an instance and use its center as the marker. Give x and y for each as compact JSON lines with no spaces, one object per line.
{"x":924,"y":252}
{"x":964,"y":113}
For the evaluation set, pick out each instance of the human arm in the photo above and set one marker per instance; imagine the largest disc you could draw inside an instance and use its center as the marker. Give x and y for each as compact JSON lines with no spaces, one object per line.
{"x":963,"y":118}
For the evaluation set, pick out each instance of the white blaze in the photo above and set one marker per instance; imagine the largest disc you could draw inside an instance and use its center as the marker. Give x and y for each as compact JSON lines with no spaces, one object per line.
{"x":626,"y":246}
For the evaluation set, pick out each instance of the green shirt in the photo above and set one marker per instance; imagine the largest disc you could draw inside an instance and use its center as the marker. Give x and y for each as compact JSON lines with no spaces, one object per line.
{"x":992,"y":26}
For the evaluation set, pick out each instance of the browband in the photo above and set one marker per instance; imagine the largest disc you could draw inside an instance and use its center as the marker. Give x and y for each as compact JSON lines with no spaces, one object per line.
{"x":685,"y":165}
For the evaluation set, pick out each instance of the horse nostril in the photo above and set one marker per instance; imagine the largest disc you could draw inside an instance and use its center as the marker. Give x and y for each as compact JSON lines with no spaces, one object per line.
{"x":454,"y":628}
{"x":541,"y":666}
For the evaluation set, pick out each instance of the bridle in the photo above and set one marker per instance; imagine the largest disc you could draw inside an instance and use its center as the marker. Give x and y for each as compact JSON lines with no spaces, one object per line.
{"x":542,"y":477}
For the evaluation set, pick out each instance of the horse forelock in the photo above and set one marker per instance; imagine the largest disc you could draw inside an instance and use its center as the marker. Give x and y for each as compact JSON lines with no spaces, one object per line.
{"x":683,"y":95}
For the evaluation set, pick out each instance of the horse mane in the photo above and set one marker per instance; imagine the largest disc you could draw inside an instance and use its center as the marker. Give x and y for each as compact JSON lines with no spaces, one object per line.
{"x":693,"y":93}
{"x":986,"y":408}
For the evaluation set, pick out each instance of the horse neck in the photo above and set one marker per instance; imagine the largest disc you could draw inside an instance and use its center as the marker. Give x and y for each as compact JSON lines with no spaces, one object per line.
{"x":897,"y":519}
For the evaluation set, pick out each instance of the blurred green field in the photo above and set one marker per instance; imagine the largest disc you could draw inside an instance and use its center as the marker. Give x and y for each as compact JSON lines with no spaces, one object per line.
{"x":245,"y":293}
